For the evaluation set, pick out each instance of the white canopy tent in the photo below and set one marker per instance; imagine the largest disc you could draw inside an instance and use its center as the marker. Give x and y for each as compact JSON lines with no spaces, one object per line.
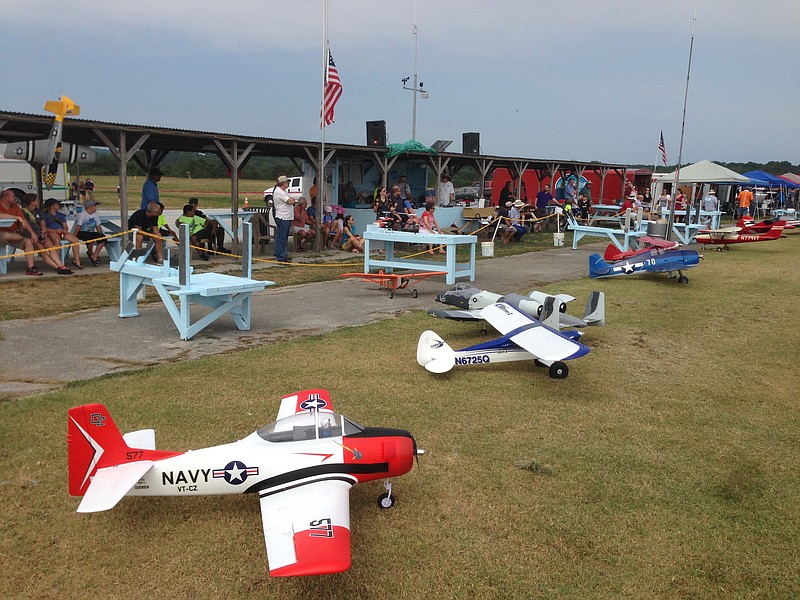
{"x":705,"y":173}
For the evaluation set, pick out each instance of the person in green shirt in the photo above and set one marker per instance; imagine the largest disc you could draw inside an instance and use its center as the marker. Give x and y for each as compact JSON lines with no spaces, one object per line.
{"x":197,"y":228}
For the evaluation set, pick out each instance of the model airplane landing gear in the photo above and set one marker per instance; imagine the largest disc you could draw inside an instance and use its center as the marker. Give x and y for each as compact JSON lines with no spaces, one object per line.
{"x":386,"y":500}
{"x":682,"y":278}
{"x":558,"y":370}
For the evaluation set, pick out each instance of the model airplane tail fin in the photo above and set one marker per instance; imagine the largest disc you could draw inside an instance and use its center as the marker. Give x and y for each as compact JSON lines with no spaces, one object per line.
{"x":93,"y":441}
{"x":595,"y":313}
{"x":434,"y":353}
{"x":776,"y":231}
{"x":597,"y":266}
{"x":551,"y":312}
{"x":62,"y":107}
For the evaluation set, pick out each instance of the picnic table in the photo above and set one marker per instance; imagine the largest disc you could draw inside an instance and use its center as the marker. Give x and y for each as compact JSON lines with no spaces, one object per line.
{"x":225,"y":220}
{"x":417,"y":263}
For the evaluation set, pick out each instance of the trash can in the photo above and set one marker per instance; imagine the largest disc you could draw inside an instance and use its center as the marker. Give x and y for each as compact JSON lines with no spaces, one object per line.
{"x":657,"y":229}
{"x":487,"y":248}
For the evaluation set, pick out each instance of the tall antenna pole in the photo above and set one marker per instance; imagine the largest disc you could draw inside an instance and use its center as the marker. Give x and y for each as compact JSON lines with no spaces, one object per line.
{"x":414,"y":102}
{"x":671,"y":219}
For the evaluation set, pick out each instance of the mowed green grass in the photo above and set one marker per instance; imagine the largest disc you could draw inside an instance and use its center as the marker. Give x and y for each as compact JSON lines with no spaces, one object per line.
{"x":174,"y":192}
{"x":665,"y":466}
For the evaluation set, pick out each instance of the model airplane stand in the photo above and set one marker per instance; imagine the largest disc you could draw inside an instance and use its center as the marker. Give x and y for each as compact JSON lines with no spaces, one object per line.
{"x":225,"y":294}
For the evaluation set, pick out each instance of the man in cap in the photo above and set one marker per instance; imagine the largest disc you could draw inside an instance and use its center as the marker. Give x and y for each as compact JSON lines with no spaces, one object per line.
{"x":150,"y":188}
{"x":90,"y":231}
{"x":586,"y":190}
{"x":446,"y":194}
{"x":284,"y":214}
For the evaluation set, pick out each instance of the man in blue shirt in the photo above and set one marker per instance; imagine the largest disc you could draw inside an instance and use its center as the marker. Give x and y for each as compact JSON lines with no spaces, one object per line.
{"x":150,"y":188}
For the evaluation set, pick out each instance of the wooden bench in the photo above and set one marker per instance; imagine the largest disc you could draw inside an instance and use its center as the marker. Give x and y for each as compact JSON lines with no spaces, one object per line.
{"x":418,"y":263}
{"x":224,"y":294}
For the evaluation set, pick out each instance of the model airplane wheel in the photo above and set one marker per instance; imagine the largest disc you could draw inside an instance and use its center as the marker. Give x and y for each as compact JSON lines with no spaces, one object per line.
{"x":538,"y":363}
{"x":683,"y":279}
{"x":391,"y":294}
{"x":414,"y":293}
{"x":559,"y":370}
{"x":385,"y":501}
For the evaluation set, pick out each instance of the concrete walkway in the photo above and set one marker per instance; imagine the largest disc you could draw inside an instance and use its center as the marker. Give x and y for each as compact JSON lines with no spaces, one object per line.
{"x":277,"y":314}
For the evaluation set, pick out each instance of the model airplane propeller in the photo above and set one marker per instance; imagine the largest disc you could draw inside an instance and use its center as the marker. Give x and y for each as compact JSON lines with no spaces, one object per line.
{"x":656,"y":256}
{"x":52,"y":151}
{"x":523,"y":338}
{"x":302,"y":467}
{"x":549,"y":309}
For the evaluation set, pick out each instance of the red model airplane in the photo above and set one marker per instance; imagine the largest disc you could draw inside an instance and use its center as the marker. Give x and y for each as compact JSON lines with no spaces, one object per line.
{"x":736,"y":235}
{"x":301,"y":467}
{"x":613,"y":254}
{"x":750,"y":227}
{"x":394,"y":281}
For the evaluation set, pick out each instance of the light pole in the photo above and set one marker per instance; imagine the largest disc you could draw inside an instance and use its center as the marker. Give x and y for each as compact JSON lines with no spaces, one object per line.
{"x":416,"y":88}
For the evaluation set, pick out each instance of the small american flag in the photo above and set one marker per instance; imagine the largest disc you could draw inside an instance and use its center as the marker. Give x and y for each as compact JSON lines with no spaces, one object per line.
{"x":663,"y":149}
{"x":333,"y":91}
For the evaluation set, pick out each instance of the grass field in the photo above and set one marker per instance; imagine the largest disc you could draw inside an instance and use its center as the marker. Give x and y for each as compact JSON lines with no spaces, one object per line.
{"x":665,"y":466}
{"x":174,"y":191}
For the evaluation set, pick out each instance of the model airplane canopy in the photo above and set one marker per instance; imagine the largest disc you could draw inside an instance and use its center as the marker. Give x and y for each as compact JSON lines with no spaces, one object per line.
{"x":302,"y":467}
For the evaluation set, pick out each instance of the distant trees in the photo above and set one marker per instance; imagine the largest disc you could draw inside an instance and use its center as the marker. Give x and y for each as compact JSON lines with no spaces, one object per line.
{"x":179,"y":164}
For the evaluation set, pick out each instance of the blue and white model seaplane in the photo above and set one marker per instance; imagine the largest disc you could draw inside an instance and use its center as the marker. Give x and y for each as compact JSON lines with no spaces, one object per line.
{"x":523,"y":338}
{"x":656,"y":256}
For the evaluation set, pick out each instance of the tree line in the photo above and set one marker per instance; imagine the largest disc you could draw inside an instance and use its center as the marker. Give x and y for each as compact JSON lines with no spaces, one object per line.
{"x":197,"y":166}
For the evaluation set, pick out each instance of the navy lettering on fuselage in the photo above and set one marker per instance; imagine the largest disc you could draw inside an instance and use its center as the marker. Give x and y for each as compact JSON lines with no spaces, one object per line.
{"x":193,"y":475}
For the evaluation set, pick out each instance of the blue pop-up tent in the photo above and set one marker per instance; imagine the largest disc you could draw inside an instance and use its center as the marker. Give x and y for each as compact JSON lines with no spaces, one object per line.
{"x":769,"y":180}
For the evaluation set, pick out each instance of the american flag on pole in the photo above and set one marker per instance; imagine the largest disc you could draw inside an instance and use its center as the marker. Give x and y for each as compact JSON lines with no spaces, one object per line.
{"x":333,"y":91}
{"x":663,"y":149}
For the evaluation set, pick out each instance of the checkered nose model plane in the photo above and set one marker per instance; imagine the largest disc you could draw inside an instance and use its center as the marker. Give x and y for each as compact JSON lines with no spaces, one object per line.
{"x":51,"y":151}
{"x":302,"y":467}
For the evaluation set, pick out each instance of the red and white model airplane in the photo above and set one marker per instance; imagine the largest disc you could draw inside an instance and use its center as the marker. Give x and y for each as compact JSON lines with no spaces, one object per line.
{"x":394,"y":281}
{"x":302,"y":467}
{"x":738,"y":235}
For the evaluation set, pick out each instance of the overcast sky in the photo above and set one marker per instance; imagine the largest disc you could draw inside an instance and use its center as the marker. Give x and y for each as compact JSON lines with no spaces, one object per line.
{"x":582,"y":79}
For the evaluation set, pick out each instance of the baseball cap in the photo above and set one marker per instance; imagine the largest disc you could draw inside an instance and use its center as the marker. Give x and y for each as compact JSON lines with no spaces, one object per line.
{"x":282,"y":179}
{"x":90,"y":203}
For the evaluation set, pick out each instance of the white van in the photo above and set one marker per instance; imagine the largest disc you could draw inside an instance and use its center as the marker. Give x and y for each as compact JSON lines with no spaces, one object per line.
{"x":295,"y":189}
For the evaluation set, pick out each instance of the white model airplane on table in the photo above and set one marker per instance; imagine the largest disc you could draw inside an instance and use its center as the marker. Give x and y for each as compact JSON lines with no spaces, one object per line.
{"x":524,"y":338}
{"x":302,"y":467}
{"x":549,"y":309}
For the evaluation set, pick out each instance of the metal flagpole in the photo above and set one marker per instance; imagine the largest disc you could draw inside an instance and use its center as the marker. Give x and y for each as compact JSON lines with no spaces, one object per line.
{"x":671,"y":219}
{"x":321,"y":168}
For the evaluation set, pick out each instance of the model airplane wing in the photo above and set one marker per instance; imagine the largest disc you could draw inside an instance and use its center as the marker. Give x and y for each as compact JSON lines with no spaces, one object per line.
{"x":457,"y":315}
{"x":531,"y":335}
{"x":303,"y":401}
{"x":368,"y":276}
{"x":307,"y":527}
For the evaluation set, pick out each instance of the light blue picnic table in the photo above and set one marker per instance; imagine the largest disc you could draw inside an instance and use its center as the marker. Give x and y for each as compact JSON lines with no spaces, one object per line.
{"x":426,"y":262}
